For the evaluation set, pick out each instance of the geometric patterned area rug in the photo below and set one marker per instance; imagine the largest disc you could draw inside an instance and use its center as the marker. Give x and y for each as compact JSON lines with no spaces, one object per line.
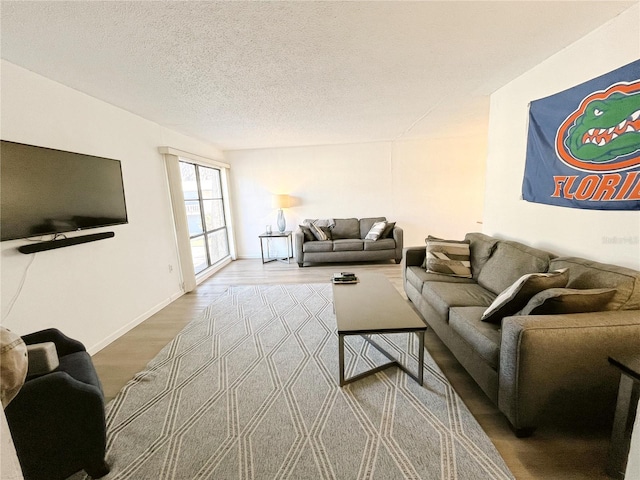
{"x":249,"y":390}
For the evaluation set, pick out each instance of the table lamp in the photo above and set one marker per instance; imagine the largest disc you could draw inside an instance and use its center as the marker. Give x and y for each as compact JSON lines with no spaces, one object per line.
{"x":280,"y":202}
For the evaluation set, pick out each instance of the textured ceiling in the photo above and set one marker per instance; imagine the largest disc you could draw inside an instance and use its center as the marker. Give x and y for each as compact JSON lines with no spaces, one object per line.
{"x":265,"y":74}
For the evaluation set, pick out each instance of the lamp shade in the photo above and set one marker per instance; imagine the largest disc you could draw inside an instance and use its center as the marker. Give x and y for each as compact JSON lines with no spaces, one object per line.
{"x":281,"y":201}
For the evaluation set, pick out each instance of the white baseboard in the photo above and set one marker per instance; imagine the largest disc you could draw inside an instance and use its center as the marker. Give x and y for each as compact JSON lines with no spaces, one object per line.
{"x":132,"y":324}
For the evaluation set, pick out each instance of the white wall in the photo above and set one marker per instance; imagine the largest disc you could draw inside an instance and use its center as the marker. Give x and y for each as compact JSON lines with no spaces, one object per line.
{"x":96,"y":291}
{"x":610,"y":236}
{"x":428,"y":187}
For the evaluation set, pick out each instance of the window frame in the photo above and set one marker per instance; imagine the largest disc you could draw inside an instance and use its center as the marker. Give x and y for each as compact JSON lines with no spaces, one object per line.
{"x":206,"y":232}
{"x":172,"y":157}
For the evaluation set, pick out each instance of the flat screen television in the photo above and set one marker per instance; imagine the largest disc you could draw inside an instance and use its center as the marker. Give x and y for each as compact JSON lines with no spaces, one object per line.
{"x":45,"y":191}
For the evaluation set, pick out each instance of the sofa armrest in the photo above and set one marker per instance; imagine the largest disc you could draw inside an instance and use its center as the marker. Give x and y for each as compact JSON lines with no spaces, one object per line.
{"x":398,"y":236}
{"x":414,"y":256}
{"x":298,"y":241}
{"x":54,"y":417}
{"x":559,"y":363}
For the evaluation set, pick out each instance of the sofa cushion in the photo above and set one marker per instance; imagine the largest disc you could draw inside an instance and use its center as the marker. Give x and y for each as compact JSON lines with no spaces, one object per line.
{"x":509,"y":262}
{"x":311,"y":247}
{"x":482,"y":336}
{"x":367,"y":223}
{"x":448,"y":257}
{"x":347,"y":245}
{"x":568,"y":300}
{"x":380,"y":244}
{"x":376,"y":231}
{"x":443,"y":295}
{"x":481,"y":246}
{"x":346,"y":228}
{"x":514,"y":298}
{"x":588,"y":274}
{"x":416,"y":276}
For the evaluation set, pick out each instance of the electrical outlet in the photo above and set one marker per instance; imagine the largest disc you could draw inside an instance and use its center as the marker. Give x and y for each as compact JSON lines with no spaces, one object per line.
{"x":170,"y":268}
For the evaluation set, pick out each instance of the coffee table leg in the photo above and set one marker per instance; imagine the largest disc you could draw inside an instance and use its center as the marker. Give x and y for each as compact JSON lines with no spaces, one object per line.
{"x":341,"y":357}
{"x":393,"y":362}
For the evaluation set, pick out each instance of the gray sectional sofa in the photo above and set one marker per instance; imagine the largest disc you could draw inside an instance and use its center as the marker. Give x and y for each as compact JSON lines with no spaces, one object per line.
{"x":347,"y":243}
{"x":532,"y":366}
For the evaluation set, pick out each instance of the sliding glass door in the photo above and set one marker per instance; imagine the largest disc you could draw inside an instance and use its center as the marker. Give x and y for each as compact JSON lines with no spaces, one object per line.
{"x":204,"y":202}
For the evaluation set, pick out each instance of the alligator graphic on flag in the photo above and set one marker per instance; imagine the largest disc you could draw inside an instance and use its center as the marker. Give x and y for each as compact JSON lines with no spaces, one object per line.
{"x":583,"y":144}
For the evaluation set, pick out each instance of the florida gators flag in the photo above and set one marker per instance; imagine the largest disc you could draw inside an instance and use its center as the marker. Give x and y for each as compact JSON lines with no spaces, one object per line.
{"x":583,"y":145}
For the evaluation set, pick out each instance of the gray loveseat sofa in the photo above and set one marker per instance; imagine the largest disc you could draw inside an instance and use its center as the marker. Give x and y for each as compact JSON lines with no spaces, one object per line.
{"x":533,"y":366}
{"x":347,"y":243}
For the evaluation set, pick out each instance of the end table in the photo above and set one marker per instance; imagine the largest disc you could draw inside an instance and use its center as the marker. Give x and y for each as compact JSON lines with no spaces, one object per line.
{"x":287,"y":235}
{"x":628,"y":397}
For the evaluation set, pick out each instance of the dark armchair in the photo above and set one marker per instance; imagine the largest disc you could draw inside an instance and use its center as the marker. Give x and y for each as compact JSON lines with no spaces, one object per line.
{"x":57,"y":420}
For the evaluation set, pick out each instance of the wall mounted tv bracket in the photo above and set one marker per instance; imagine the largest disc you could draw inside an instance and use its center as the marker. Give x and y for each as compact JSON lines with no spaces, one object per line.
{"x":64,"y":242}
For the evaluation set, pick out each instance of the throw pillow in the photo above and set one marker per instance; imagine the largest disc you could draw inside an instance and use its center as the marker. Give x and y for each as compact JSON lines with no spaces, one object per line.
{"x":308,"y":236}
{"x":326,"y":231}
{"x":424,"y":262}
{"x":448,"y":257}
{"x":567,"y":300}
{"x":376,"y":231}
{"x":388,"y":230}
{"x":318,"y":232}
{"x":514,"y":298}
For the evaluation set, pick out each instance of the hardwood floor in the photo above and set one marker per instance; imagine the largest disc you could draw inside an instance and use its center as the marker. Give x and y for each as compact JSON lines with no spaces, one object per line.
{"x":553,"y":452}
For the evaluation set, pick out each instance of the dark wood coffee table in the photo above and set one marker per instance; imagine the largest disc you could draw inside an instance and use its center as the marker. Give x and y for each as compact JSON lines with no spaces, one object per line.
{"x":374,"y":306}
